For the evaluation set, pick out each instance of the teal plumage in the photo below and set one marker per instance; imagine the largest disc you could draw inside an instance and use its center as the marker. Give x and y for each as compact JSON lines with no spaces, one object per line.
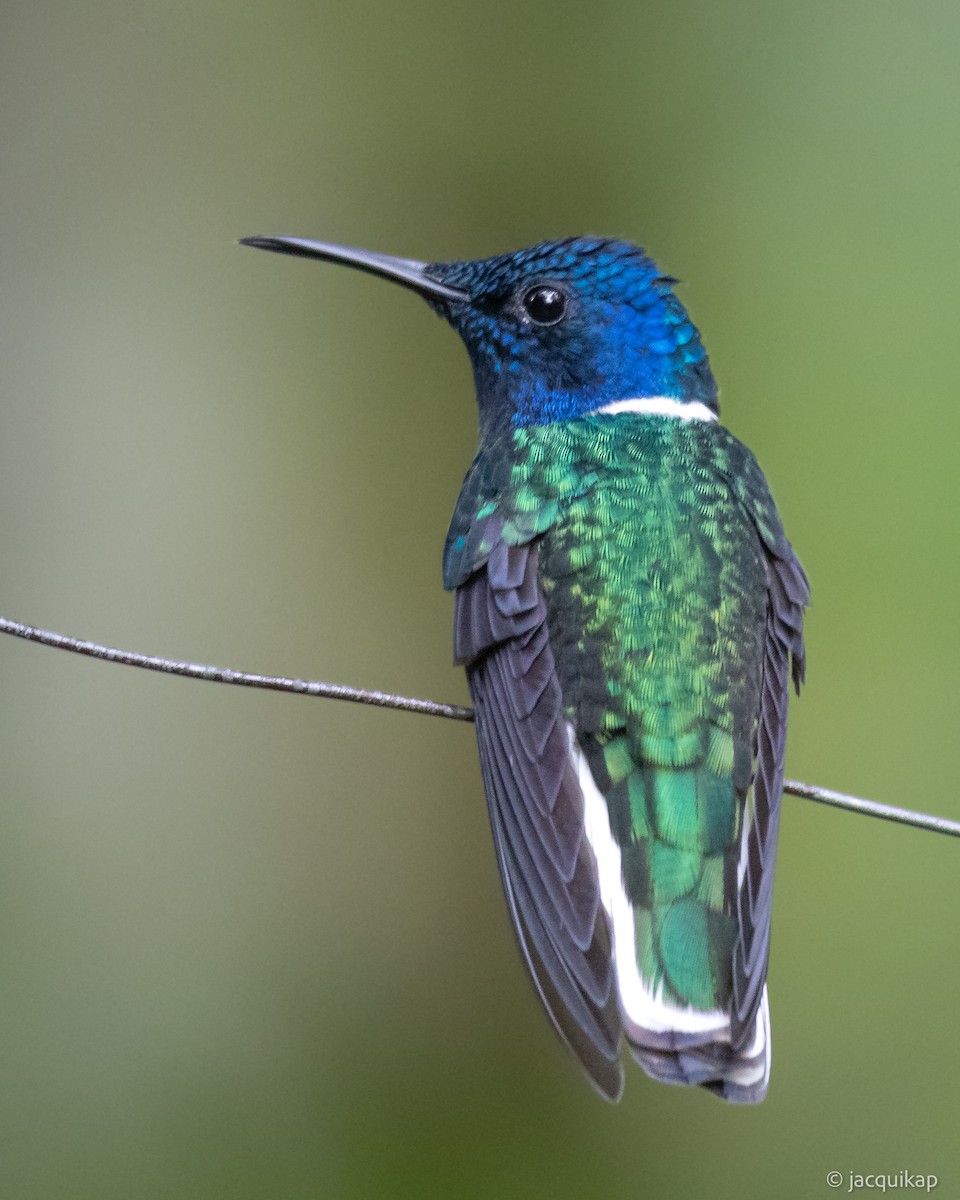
{"x":654,"y":539}
{"x":629,"y":613}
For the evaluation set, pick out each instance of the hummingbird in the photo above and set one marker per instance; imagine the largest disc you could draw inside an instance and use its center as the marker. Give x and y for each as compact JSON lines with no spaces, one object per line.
{"x":629,"y":612}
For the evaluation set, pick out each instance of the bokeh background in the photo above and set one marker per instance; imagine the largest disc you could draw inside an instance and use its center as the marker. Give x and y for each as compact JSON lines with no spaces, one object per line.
{"x":254,"y":945}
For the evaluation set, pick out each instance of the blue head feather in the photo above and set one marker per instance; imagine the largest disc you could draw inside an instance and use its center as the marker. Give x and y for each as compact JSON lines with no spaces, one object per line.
{"x":623,"y":333}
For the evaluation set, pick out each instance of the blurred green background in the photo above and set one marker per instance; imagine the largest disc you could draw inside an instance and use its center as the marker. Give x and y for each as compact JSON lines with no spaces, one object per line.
{"x":253,"y":945}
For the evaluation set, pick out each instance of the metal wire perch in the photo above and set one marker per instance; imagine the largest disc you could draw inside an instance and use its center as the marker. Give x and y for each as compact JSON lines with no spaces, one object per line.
{"x":430,"y":708}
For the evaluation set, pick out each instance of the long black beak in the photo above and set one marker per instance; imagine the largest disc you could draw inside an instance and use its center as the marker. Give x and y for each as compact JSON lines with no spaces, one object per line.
{"x":405,"y":271}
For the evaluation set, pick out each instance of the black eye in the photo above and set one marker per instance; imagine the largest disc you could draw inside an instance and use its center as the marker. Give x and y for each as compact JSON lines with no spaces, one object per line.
{"x":544,"y":304}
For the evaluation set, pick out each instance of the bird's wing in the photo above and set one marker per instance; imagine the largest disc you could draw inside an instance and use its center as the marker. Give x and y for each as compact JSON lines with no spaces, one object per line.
{"x":536,"y":807}
{"x":533,"y":794}
{"x":788,"y":592}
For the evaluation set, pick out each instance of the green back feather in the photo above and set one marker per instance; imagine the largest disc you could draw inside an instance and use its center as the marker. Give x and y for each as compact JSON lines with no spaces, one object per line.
{"x":651,"y":562}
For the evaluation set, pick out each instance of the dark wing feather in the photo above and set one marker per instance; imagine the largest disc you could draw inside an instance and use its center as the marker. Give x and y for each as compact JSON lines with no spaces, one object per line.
{"x":787,"y":593}
{"x":536,"y":806}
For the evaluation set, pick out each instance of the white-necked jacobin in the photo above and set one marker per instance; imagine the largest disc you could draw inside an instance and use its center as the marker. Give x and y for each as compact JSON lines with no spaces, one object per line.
{"x":629,"y":613}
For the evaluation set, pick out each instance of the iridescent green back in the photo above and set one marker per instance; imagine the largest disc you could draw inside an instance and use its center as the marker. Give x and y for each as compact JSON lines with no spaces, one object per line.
{"x":651,"y":562}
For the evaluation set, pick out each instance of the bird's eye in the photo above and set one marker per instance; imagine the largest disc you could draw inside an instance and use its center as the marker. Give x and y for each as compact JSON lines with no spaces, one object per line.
{"x":544,"y":305}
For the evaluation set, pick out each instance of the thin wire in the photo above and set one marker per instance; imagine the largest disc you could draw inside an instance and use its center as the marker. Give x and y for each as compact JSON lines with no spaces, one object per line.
{"x":276,"y":683}
{"x":430,"y":708}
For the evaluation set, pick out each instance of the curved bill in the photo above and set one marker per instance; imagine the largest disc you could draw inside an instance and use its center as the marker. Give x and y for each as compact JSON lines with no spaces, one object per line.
{"x":405,"y":271}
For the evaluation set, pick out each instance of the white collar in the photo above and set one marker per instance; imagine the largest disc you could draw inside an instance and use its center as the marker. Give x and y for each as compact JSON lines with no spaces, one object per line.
{"x":659,"y":406}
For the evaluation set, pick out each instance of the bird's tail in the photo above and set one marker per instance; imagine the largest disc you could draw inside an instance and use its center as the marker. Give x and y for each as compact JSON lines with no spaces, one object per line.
{"x":740,"y":1076}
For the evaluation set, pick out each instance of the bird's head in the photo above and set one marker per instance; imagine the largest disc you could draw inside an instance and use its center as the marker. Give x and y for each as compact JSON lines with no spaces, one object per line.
{"x":555,"y":331}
